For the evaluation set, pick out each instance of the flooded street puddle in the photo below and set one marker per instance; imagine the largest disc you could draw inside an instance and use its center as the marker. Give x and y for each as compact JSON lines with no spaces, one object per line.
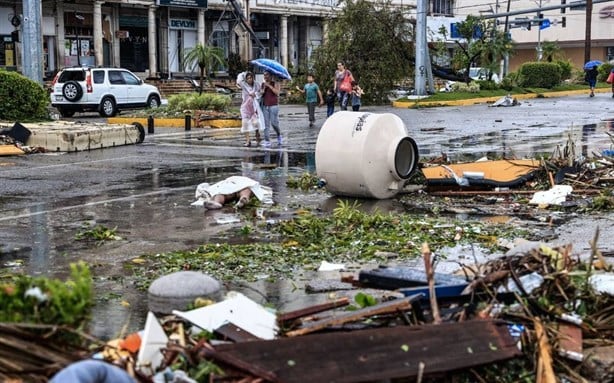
{"x":523,"y":142}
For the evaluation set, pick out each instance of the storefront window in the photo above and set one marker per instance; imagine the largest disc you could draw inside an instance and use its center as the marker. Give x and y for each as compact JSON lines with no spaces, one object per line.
{"x":79,"y":43}
{"x":133,"y":44}
{"x":221,"y":39}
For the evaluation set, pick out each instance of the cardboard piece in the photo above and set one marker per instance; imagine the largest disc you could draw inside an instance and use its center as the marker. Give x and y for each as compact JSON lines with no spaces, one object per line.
{"x":153,"y":340}
{"x":238,"y":310}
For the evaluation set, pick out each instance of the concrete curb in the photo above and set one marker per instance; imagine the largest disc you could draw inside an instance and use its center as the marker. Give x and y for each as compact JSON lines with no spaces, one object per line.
{"x":484,"y":100}
{"x":178,"y":122}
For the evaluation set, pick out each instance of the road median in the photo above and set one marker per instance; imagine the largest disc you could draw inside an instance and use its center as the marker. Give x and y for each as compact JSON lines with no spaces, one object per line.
{"x":424,"y":102}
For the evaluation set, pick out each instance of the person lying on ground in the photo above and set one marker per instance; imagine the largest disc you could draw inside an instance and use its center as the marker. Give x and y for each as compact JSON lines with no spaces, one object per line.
{"x":234,"y":188}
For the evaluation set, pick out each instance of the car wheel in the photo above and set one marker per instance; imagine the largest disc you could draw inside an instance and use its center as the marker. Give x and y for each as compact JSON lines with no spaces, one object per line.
{"x":107,"y":107}
{"x":72,"y":91}
{"x":153,"y":102}
{"x":66,"y":112}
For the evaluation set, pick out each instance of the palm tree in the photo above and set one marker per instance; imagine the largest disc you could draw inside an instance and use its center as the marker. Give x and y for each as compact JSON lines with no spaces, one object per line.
{"x":205,"y":56}
{"x":551,"y":50}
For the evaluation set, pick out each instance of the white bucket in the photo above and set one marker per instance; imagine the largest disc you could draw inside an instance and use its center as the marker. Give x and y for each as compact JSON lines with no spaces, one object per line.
{"x":362,"y":154}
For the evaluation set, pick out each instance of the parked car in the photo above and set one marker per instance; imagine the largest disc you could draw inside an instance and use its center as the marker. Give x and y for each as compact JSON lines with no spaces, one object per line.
{"x":104,"y":90}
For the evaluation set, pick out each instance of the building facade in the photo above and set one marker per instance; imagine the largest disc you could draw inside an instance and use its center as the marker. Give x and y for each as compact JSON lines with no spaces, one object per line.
{"x":149,"y":36}
{"x":565,"y":27}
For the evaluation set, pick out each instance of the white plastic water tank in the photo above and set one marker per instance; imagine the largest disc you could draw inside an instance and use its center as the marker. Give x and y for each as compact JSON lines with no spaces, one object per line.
{"x":362,"y":154}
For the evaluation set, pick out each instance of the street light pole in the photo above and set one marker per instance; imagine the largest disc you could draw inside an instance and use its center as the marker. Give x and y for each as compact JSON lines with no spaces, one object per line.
{"x":539,"y":33}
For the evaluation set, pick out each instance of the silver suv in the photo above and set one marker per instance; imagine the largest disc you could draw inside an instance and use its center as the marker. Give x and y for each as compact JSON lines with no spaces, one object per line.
{"x":105,"y":90}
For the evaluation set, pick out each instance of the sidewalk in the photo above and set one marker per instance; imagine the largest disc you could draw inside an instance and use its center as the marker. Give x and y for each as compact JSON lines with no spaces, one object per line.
{"x":481,"y":100}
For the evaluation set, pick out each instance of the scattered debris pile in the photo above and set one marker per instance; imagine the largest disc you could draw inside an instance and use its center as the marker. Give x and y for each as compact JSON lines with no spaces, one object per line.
{"x":13,"y":141}
{"x":33,"y":352}
{"x":539,"y":316}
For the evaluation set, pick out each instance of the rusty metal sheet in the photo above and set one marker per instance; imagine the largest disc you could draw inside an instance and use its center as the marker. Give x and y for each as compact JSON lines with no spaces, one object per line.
{"x":377,"y":353}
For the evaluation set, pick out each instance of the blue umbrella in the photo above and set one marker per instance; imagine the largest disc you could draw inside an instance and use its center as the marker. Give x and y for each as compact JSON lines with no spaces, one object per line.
{"x":591,"y":64}
{"x":272,"y":66}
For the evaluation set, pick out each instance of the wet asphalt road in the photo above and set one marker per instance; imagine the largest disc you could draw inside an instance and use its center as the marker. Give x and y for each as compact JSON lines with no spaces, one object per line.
{"x":145,"y":190}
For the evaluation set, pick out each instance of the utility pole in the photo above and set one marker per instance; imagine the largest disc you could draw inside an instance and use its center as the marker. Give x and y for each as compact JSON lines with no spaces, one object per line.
{"x":539,"y":33}
{"x":587,"y":38}
{"x":32,"y":52}
{"x":506,"y":59}
{"x":420,"y":70}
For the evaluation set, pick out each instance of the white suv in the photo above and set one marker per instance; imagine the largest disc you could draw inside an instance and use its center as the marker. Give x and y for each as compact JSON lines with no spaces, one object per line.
{"x":105,"y":90}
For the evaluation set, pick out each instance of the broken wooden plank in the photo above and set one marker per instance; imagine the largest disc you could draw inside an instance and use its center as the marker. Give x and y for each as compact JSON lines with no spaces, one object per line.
{"x":292,"y":315}
{"x":378,"y":354}
{"x":210,"y":352}
{"x":389,"y":307}
{"x":570,"y":341}
{"x":235,"y":333}
{"x":430,"y":277}
{"x":545,"y":371}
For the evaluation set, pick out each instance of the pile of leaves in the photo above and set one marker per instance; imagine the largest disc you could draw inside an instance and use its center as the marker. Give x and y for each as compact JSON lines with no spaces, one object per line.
{"x":279,"y":250}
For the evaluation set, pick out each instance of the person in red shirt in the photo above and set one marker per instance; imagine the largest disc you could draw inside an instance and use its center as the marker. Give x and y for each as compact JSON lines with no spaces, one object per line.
{"x":343,"y":85}
{"x":270,"y":101}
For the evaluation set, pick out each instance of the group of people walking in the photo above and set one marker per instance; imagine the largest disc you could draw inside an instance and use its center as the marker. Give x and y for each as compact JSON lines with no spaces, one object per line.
{"x":259,"y":108}
{"x":345,"y":89}
{"x":260,"y":102}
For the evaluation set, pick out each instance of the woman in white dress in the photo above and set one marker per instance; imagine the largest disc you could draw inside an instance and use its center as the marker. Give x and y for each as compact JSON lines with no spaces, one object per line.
{"x":251,"y":113}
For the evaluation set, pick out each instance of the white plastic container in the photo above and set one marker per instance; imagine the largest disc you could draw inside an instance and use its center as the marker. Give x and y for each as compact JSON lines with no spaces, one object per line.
{"x":362,"y":154}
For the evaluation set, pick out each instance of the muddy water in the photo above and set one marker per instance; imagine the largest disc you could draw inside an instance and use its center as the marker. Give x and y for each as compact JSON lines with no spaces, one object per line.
{"x":145,"y":192}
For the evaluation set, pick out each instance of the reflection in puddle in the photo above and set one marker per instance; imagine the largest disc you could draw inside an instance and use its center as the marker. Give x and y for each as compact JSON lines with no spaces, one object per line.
{"x":522,"y":142}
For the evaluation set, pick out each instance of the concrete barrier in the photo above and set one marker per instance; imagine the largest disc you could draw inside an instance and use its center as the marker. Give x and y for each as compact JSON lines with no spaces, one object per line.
{"x":63,"y":136}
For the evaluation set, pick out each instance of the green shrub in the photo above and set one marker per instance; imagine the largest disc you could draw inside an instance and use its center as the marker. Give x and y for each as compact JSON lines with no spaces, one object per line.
{"x":566,"y":68}
{"x":539,"y":75}
{"x":487,"y":85}
{"x":578,"y":77}
{"x":22,"y":98}
{"x":49,"y":301}
{"x":506,"y":83}
{"x":194,"y":101}
{"x":604,"y":71}
{"x":472,"y":87}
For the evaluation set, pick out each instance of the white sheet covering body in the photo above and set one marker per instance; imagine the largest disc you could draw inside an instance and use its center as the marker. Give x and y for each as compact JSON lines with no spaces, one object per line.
{"x":231,"y":185}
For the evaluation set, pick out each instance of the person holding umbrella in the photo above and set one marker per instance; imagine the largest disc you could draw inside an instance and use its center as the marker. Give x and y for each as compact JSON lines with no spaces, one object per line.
{"x":270,"y":100}
{"x":270,"y":95}
{"x":590,"y":67}
{"x":591,"y":78}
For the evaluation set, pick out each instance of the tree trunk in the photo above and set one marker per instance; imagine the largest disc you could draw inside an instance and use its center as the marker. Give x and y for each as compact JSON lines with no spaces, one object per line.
{"x":202,"y":80}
